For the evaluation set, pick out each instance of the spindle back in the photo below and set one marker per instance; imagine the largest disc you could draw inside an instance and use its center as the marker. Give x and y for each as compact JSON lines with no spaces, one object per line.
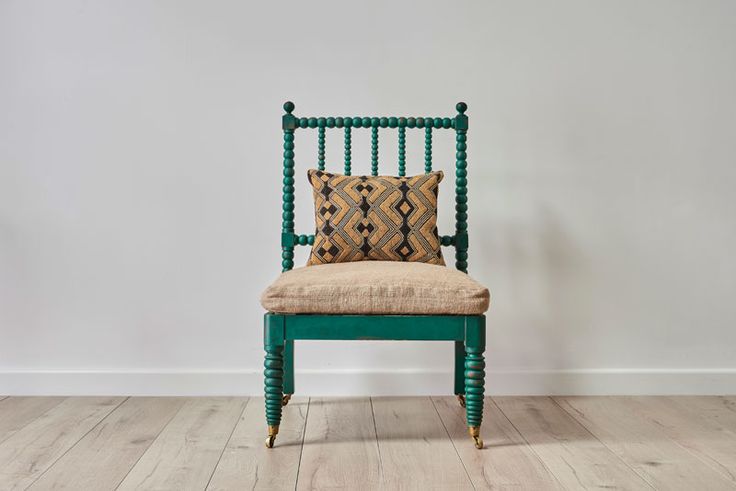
{"x":459,"y":123}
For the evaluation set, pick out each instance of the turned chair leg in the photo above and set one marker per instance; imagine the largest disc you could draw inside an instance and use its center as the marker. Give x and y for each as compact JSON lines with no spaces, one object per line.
{"x":474,"y":376}
{"x":274,"y":380}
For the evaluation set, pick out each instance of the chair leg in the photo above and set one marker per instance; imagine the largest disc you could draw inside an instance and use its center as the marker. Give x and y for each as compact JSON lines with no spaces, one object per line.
{"x":460,"y":372}
{"x":288,"y":371}
{"x":474,"y":376}
{"x":274,"y":380}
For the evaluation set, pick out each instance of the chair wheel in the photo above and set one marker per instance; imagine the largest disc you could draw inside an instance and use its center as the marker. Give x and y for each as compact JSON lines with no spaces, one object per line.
{"x":461,"y":399}
{"x":270,"y":440}
{"x":478,"y":442}
{"x":285,"y":400}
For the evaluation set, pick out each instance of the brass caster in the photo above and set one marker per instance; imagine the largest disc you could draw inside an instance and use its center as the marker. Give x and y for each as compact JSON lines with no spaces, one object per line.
{"x":461,"y":399}
{"x":475,"y":433}
{"x":272,"y":432}
{"x":285,"y":400}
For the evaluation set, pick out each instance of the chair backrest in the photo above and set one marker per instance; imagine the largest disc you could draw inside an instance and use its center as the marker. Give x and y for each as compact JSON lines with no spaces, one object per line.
{"x":459,"y":123}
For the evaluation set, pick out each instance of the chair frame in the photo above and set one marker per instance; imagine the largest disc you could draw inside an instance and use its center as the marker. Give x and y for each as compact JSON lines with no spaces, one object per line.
{"x":467,"y":332}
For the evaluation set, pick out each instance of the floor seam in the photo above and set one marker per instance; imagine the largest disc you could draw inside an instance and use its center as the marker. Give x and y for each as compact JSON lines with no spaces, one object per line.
{"x":601,"y":442}
{"x":726,"y":476}
{"x":528,"y":444}
{"x":153,"y":440}
{"x":301,"y":449}
{"x":452,"y":442}
{"x":77,"y":442}
{"x":227,"y":442}
{"x":2,"y":440}
{"x":378,"y":445}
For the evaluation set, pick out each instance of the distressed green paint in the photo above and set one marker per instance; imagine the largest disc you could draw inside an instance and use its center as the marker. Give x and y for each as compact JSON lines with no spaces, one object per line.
{"x":427,"y":150}
{"x":288,"y":366}
{"x":348,"y":151}
{"x":289,"y":124}
{"x":475,"y":345}
{"x":461,"y":189}
{"x":402,"y":151}
{"x":459,"y":367}
{"x":281,"y":328}
{"x":291,"y":240}
{"x":273,"y":367}
{"x":447,"y":240}
{"x":321,"y":147}
{"x":374,"y":148}
{"x":388,"y":327}
{"x":375,"y":122}
{"x":467,"y":332}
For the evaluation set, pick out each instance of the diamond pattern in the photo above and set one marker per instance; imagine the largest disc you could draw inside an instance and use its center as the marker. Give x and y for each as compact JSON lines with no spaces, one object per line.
{"x":375,"y":218}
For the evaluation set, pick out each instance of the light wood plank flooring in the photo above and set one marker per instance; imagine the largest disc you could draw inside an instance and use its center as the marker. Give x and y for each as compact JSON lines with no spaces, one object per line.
{"x":536,"y":443}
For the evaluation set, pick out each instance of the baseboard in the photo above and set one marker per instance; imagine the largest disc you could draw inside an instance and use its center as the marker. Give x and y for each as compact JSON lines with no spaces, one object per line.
{"x":362,"y":382}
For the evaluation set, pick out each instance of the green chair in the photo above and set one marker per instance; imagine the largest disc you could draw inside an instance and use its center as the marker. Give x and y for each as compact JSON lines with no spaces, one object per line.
{"x":467,"y":331}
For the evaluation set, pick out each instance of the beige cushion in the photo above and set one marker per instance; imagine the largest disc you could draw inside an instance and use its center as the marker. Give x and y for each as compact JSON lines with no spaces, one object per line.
{"x":376,"y":287}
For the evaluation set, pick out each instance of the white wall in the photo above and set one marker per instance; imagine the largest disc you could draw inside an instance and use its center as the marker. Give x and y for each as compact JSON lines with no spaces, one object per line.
{"x":140,"y":161}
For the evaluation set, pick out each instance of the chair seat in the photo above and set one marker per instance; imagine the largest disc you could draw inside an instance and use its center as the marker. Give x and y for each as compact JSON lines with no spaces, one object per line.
{"x":376,"y":287}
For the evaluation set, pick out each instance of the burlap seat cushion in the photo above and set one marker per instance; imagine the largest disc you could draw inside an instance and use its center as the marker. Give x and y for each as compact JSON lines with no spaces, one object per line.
{"x":376,"y":287}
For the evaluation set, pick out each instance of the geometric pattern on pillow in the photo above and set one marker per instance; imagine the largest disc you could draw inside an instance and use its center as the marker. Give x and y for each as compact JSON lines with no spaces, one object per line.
{"x":379,"y":218}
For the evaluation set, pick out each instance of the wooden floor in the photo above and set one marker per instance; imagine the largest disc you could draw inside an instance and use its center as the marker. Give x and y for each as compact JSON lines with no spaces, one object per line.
{"x":99,"y":443}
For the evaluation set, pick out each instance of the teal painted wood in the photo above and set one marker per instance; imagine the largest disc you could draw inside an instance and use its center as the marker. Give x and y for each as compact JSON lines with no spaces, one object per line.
{"x":274,"y":383}
{"x":348,"y":151}
{"x":286,"y":327}
{"x":388,"y":327}
{"x":273,"y":367}
{"x":375,"y":122}
{"x":459,"y":367}
{"x":321,"y":148}
{"x":402,"y":151}
{"x":468,"y":333}
{"x":374,"y":149}
{"x":447,"y":240}
{"x":289,"y":366}
{"x":461,"y":189}
{"x":475,"y":345}
{"x":427,"y":150}
{"x":289,"y":124}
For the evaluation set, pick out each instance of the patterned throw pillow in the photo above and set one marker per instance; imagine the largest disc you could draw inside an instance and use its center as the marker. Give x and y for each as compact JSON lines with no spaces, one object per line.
{"x":378,"y":218}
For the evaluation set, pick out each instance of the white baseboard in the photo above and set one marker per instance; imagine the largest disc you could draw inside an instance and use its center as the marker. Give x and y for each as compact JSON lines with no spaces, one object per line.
{"x":363,"y":382}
